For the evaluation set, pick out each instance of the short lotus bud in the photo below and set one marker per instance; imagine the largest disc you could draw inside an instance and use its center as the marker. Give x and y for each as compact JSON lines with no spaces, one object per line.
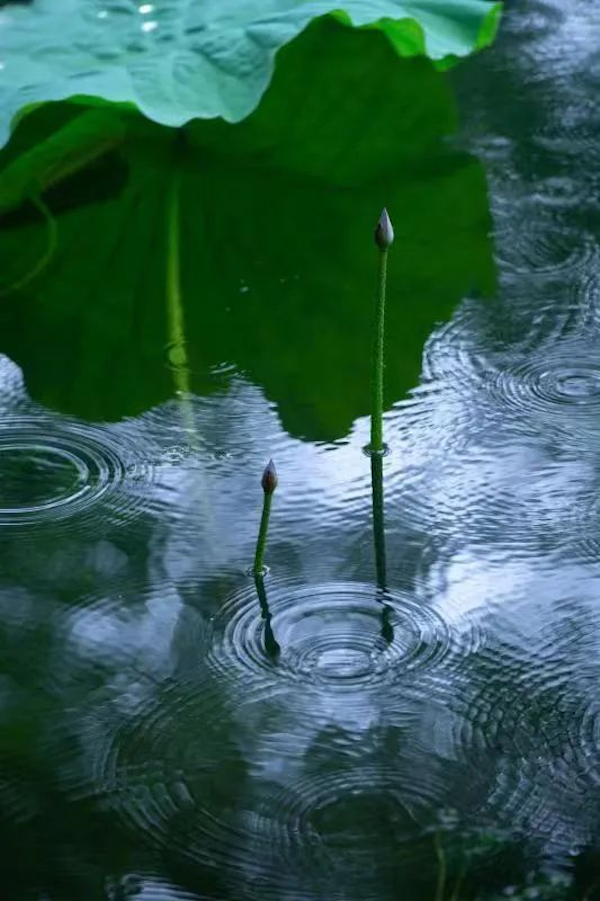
{"x":384,"y":233}
{"x":269,"y":478}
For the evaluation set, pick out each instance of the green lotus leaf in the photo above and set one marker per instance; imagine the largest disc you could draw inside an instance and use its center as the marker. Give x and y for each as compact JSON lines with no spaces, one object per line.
{"x":160,"y":260}
{"x":177,"y":60}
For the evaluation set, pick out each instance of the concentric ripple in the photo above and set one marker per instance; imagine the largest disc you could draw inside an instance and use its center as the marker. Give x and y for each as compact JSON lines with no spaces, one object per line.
{"x":173,"y":769}
{"x":558,"y":384}
{"x":54,"y":470}
{"x":334,"y":808}
{"x":529,"y":731}
{"x":250,"y":788}
{"x":336,"y":635}
{"x":543,"y":248}
{"x":549,"y":382}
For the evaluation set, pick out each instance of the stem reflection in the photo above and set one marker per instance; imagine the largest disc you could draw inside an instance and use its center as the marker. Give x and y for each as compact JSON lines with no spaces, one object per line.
{"x":387,"y":629}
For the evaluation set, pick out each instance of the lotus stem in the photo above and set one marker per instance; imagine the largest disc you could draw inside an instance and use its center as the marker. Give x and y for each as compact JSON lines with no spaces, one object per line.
{"x":269,"y":484}
{"x":384,"y":236}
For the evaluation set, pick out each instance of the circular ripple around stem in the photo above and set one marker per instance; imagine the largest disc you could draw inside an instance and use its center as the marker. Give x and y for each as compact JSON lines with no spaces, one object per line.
{"x":339,"y":635}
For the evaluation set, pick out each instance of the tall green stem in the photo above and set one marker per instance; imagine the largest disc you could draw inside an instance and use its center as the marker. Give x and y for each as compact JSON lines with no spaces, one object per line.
{"x":384,"y":236}
{"x":378,"y":349}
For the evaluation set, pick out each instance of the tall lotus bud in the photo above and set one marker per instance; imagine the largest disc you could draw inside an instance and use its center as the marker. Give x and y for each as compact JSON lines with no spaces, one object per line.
{"x":384,"y":233}
{"x":269,"y":478}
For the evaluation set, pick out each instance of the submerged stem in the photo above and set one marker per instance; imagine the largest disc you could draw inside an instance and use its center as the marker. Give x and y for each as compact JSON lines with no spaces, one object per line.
{"x":440,"y":886}
{"x":44,"y":260}
{"x":387,"y":628}
{"x":378,"y":519}
{"x":177,"y":343}
{"x":272,"y":648}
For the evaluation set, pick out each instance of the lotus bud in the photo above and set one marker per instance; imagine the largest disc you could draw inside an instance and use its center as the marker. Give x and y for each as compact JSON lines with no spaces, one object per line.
{"x":384,"y":233}
{"x":269,"y":479}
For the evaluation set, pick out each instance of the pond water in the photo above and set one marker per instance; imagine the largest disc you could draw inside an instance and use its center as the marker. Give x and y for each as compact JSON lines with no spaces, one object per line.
{"x":431,"y":731}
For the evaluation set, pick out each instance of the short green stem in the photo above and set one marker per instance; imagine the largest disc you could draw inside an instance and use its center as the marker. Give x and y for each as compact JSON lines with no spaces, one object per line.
{"x":378,"y":349}
{"x":262,"y":535}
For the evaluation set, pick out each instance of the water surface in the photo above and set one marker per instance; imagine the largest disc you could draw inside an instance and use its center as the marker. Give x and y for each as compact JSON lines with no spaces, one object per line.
{"x":427,"y":732}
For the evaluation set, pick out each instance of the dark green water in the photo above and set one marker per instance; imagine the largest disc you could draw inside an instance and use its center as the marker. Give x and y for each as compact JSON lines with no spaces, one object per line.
{"x":429,"y":733}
